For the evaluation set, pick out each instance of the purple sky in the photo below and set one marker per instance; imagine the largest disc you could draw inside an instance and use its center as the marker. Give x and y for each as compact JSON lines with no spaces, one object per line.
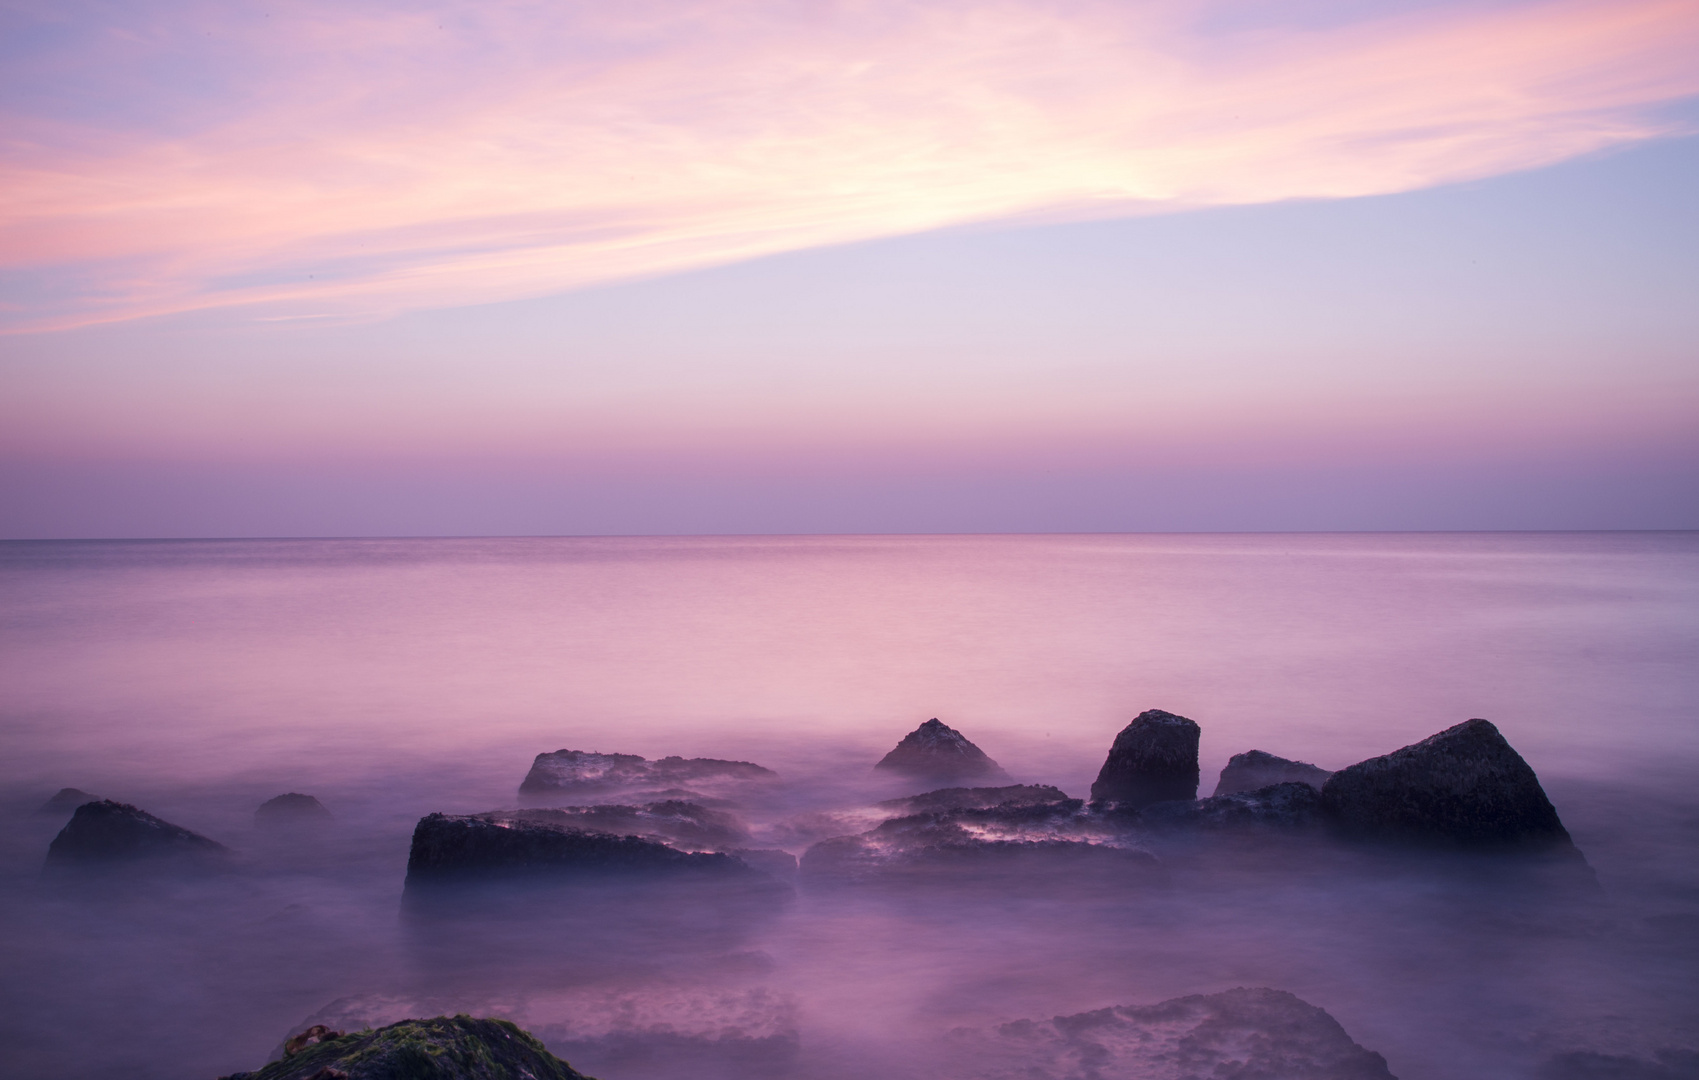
{"x":766,"y":267}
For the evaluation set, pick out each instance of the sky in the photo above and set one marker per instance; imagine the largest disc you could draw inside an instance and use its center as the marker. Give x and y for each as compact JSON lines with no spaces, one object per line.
{"x":748,"y":266}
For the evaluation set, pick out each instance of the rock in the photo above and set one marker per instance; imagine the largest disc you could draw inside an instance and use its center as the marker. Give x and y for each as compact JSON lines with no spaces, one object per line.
{"x":683,"y":824}
{"x":1154,"y":759}
{"x":477,"y":848}
{"x":585,"y":771}
{"x":936,"y":752}
{"x":108,"y":832}
{"x":291,"y":810}
{"x":66,"y":801}
{"x":1248,"y":1033}
{"x":962,"y":798}
{"x":1464,"y":787}
{"x":1255,"y":769}
{"x":457,"y":1048}
{"x":1289,"y":805}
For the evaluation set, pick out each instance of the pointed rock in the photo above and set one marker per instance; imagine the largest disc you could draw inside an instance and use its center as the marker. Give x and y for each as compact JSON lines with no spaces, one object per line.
{"x":1465,"y":786}
{"x":1154,"y":759}
{"x":1254,"y":770}
{"x":109,"y":832}
{"x":936,"y":752}
{"x":66,"y":801}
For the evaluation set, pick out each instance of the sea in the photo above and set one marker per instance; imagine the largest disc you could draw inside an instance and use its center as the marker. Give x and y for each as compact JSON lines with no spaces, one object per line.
{"x":394,"y":678}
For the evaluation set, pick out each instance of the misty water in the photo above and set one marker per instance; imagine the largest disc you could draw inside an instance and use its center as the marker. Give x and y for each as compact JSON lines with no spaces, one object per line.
{"x":391,"y":679}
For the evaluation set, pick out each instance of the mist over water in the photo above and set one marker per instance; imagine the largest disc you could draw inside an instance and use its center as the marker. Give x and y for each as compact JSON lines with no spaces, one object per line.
{"x":392,"y":679}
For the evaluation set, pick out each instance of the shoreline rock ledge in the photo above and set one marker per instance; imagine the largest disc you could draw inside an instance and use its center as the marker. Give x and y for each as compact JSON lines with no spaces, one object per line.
{"x":1154,"y":759}
{"x":1463,"y":787}
{"x":937,"y":752}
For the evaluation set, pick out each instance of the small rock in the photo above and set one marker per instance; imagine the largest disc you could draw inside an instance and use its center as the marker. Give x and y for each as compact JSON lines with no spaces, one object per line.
{"x":1255,"y":769}
{"x":1154,"y":759}
{"x":1464,"y":787}
{"x":291,"y":810}
{"x":936,"y":752}
{"x":111,"y":832}
{"x":66,"y":801}
{"x":457,"y":1048}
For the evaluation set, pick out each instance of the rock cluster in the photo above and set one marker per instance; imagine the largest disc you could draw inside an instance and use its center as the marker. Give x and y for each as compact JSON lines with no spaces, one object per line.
{"x":937,"y":753}
{"x":1256,"y":769}
{"x":1463,"y":787}
{"x":446,"y":1048}
{"x":586,"y":771}
{"x":108,"y":832}
{"x":1154,"y":759}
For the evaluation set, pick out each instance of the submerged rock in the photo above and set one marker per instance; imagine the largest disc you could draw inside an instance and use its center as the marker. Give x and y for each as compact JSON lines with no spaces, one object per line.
{"x":1289,"y":805}
{"x":583,"y":770}
{"x":476,"y":848}
{"x":1246,"y":1033}
{"x":290,"y":810}
{"x":964,"y":798}
{"x":1256,"y":769}
{"x":67,"y":800}
{"x":936,"y":752}
{"x":1465,"y":787}
{"x":1154,"y":759}
{"x":457,"y":1048}
{"x":108,"y":832}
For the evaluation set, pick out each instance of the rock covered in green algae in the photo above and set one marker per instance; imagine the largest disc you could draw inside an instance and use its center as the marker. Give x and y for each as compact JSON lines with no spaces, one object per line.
{"x":457,"y":1048}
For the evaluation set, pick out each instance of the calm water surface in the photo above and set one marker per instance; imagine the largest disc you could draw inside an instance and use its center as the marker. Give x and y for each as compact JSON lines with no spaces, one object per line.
{"x":392,"y":678}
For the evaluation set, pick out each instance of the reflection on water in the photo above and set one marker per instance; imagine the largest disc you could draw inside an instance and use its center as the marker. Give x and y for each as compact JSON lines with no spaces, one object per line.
{"x":399,"y":678}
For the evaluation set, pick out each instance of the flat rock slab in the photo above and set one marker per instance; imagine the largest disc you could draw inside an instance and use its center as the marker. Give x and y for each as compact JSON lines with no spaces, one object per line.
{"x":1245,"y":1034}
{"x":588,"y":771}
{"x":677,"y":822}
{"x":975,"y":798}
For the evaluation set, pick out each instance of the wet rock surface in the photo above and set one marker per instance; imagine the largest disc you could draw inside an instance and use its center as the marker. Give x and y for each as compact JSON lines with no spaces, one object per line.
{"x":1245,"y":1034}
{"x":588,"y":772}
{"x":937,"y":753}
{"x":291,"y":810}
{"x":66,"y":801}
{"x":472,"y":848}
{"x":965,"y":798}
{"x":1154,"y":759}
{"x":108,"y":833}
{"x":677,"y":822}
{"x":445,"y":1048}
{"x":1463,"y":787}
{"x":1257,"y":769}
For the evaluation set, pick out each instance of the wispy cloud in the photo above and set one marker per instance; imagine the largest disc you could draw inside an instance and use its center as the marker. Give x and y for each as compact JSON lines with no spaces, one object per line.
{"x":365,"y":159}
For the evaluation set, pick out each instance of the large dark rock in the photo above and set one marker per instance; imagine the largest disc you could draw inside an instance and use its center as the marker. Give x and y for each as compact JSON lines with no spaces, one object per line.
{"x":963,"y":798}
{"x":1251,"y":1034}
{"x":938,"y":753}
{"x":480,"y":848}
{"x":108,"y":832}
{"x":583,"y":771}
{"x":1463,"y":787}
{"x":67,"y":800}
{"x":1256,"y":769}
{"x":291,"y":811}
{"x":457,"y":1048}
{"x":1154,"y":759}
